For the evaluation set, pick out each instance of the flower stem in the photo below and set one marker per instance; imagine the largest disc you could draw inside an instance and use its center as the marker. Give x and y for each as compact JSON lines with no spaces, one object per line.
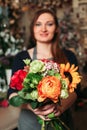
{"x":43,"y":125}
{"x":64,"y":124}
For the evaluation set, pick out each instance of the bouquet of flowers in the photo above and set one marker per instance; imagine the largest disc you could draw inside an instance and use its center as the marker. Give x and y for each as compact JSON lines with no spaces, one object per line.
{"x":44,"y":81}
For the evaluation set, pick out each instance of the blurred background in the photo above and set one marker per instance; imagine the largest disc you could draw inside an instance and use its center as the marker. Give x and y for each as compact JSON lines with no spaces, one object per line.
{"x":15,"y":18}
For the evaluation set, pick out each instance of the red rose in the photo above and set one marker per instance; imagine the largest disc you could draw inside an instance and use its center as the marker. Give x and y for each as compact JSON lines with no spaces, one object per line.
{"x":17,"y":79}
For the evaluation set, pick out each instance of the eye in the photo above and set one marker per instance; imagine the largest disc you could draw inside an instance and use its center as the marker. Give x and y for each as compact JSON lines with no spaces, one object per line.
{"x":50,"y":24}
{"x":38,"y":24}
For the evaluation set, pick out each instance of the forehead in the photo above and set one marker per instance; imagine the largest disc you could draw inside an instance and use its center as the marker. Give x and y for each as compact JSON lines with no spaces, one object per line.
{"x":45,"y":17}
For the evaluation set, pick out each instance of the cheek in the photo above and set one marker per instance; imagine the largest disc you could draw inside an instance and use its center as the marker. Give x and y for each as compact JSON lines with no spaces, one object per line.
{"x":36,"y":30}
{"x":36,"y":35}
{"x":52,"y":30}
{"x":52,"y":33}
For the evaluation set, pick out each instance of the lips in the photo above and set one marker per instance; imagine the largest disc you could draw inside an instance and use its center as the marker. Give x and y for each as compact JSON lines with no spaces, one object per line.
{"x":44,"y":35}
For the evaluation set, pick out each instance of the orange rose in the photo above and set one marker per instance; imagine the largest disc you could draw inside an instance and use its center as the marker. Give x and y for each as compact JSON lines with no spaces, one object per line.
{"x":49,"y":87}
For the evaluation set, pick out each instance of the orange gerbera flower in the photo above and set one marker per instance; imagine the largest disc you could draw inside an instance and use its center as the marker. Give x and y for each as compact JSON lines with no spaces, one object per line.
{"x":71,"y":72}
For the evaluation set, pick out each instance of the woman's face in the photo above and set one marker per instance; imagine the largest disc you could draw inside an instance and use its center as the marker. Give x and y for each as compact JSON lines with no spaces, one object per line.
{"x":44,"y":28}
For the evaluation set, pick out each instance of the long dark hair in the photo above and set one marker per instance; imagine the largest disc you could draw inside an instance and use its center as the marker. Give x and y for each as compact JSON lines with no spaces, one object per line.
{"x":56,"y":50}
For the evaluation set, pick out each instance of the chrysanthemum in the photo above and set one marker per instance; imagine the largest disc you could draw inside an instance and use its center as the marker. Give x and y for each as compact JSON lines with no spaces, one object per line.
{"x":71,"y":73}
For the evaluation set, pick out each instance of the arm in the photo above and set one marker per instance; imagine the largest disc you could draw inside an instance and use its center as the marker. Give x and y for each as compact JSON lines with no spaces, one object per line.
{"x":67,"y":103}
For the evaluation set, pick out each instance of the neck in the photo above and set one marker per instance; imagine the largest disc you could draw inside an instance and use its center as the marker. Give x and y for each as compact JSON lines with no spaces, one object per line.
{"x":45,"y":47}
{"x":44,"y":51}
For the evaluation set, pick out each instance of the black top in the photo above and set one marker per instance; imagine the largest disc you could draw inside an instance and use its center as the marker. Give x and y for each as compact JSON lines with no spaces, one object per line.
{"x":19,"y":64}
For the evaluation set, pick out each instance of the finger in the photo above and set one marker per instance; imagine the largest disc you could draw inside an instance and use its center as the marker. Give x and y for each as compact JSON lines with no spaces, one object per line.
{"x":45,"y":112}
{"x":58,"y":113}
{"x":44,"y":108}
{"x":44,"y":118}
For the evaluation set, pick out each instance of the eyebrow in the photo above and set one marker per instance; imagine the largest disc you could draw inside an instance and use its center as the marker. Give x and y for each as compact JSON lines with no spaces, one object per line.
{"x":46,"y":21}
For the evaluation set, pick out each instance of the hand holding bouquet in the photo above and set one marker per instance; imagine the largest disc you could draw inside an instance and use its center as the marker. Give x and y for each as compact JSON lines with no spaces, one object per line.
{"x":42,"y":82}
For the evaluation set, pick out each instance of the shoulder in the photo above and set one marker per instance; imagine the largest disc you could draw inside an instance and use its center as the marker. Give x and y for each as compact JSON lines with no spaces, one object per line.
{"x":22,"y":55}
{"x":18,"y":60}
{"x":69,"y":52}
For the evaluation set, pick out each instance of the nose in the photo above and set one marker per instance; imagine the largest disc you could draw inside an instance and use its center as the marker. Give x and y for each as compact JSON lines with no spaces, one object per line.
{"x":44,"y":28}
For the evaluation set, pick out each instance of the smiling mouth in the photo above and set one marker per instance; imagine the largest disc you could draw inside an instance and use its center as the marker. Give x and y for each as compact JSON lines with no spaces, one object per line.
{"x":44,"y":35}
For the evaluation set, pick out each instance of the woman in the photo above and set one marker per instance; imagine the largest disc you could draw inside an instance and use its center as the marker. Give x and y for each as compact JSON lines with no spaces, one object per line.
{"x":44,"y":44}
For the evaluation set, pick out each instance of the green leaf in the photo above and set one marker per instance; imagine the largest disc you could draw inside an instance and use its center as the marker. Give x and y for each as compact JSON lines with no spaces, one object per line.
{"x":58,"y":75}
{"x":40,"y":120}
{"x":16,"y":101}
{"x":51,"y":115}
{"x":51,"y":72}
{"x":34,"y":104}
{"x":33,"y":79}
{"x":28,"y":95}
{"x":27,"y":61}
